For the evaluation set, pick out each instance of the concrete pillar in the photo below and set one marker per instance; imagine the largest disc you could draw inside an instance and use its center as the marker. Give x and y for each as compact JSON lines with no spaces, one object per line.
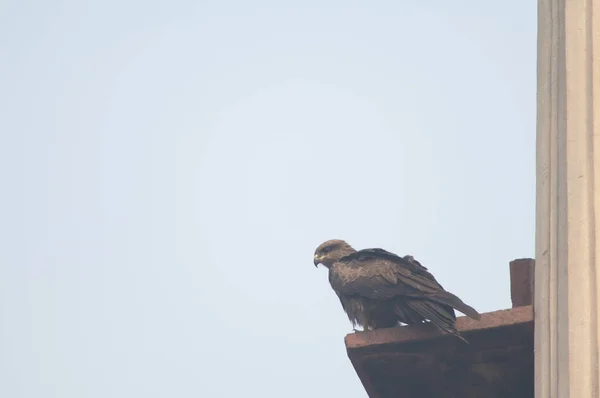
{"x":567,"y":275}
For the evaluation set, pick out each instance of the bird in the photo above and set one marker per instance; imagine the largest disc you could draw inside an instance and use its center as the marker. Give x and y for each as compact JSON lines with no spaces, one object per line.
{"x":379,"y":289}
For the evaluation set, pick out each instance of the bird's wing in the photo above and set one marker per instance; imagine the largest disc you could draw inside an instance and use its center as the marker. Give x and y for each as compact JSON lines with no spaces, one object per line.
{"x":408,"y":262}
{"x":380,"y":275}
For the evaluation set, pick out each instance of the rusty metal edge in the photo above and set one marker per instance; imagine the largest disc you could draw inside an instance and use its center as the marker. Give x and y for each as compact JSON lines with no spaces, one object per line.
{"x":411,"y":333}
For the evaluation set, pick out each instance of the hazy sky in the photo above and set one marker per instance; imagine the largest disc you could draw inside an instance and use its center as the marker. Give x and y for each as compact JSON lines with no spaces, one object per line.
{"x":168,"y":168}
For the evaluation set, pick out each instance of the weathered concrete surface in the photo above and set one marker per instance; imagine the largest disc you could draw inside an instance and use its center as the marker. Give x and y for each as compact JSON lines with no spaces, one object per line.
{"x":567,"y":279}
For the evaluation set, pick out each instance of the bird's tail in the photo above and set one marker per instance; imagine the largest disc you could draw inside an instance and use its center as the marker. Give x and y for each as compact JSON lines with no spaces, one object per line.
{"x":442,"y":318}
{"x":450,"y":299}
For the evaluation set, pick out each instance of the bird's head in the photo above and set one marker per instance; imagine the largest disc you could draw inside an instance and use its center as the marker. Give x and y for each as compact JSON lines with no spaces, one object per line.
{"x":332,"y":251}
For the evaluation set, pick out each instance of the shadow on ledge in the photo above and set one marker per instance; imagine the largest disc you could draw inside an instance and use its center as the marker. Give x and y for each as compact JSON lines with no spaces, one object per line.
{"x":418,"y":361}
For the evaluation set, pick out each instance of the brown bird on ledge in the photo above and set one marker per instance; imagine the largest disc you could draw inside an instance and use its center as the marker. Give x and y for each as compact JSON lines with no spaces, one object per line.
{"x":379,"y":289}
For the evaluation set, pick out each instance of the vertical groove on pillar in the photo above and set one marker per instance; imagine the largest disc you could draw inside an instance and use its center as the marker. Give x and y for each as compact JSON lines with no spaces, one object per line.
{"x":560,"y":325}
{"x":556,"y":110}
{"x":547,"y":228}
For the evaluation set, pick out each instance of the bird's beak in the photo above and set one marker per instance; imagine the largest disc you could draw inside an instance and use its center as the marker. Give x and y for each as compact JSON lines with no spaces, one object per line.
{"x":317,"y":260}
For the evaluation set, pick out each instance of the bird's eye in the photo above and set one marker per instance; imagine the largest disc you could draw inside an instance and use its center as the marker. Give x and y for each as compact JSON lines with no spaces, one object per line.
{"x":326,"y":250}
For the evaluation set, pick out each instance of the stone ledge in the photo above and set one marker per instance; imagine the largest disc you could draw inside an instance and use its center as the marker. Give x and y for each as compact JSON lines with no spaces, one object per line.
{"x":419,"y":361}
{"x":466,"y":326}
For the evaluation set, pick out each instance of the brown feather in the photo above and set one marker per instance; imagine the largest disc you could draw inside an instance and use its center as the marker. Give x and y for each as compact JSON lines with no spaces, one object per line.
{"x":381,"y":289}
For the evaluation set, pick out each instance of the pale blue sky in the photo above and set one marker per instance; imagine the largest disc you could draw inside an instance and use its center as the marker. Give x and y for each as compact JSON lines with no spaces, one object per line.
{"x":167,"y":169}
